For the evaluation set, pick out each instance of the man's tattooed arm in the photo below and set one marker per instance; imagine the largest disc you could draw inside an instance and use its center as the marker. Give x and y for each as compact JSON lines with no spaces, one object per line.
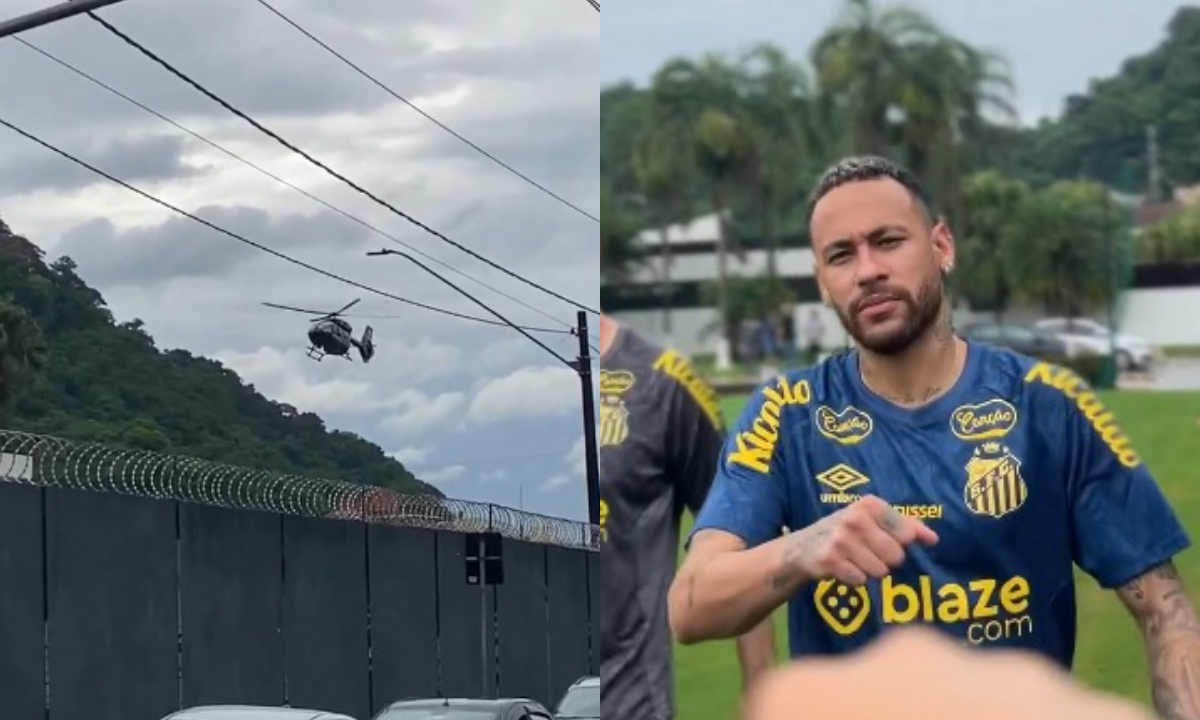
{"x":1164,"y":612}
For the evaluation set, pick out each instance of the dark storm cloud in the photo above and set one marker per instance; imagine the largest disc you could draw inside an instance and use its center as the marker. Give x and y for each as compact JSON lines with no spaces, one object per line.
{"x":137,"y":160}
{"x":182,"y":248}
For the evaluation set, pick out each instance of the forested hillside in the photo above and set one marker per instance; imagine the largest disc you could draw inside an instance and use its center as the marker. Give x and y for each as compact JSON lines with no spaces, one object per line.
{"x":1101,"y":134}
{"x":90,"y":377}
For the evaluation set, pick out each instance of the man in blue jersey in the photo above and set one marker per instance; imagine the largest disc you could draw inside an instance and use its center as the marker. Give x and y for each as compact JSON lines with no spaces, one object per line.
{"x":927,"y":479}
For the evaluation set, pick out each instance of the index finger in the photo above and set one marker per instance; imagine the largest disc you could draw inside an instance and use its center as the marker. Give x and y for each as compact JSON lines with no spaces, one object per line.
{"x":905,"y":529}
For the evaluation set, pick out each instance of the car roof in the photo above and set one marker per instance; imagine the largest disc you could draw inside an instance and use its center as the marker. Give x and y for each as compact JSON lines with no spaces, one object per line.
{"x":587,"y":681}
{"x":253,"y":712}
{"x":466,"y":703}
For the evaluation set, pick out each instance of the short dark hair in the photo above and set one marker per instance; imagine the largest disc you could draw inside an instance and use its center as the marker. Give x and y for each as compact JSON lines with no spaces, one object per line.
{"x":861,"y":168}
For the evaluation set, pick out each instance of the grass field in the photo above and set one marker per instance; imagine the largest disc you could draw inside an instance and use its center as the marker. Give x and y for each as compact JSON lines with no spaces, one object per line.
{"x":1166,"y":429}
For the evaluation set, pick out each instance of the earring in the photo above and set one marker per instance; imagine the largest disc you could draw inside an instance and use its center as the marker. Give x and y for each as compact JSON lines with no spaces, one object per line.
{"x":947,"y":268}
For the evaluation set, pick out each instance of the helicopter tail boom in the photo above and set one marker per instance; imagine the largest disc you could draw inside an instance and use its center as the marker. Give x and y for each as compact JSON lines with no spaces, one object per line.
{"x":366,"y":346}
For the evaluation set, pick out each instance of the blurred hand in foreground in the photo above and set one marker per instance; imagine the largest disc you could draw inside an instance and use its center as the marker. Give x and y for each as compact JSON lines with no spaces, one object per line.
{"x":920,"y":674}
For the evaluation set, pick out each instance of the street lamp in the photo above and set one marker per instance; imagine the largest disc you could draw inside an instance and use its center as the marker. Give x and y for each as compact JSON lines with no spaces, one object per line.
{"x":52,"y":14}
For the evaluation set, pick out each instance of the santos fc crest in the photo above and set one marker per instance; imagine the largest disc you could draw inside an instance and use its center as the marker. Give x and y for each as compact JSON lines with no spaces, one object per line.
{"x":613,"y":424}
{"x":994,"y":483}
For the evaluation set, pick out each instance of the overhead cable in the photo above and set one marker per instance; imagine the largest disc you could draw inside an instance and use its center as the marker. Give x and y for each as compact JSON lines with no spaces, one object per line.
{"x":355,"y":186}
{"x":259,"y":246}
{"x":383,"y":86}
{"x":276,"y":178}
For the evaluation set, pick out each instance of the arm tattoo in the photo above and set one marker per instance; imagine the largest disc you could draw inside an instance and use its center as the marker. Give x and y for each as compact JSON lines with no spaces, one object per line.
{"x":1167,"y":618}
{"x":800,"y":544}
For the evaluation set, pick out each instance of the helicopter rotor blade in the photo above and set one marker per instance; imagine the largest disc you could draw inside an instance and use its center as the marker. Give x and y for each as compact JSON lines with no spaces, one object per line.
{"x":349,"y":305}
{"x":295,"y":309}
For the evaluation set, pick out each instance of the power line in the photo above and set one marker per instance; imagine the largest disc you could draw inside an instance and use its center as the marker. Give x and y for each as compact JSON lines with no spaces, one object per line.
{"x":276,"y":178}
{"x":275,"y":136}
{"x":259,"y":246}
{"x":472,"y":298}
{"x":382,"y":86}
{"x":595,"y":4}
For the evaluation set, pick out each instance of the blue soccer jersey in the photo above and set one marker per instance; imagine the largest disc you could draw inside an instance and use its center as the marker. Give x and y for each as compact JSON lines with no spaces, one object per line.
{"x":1018,"y":468}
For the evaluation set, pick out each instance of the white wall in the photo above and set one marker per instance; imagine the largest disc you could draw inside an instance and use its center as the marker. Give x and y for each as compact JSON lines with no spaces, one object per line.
{"x":1163,"y":316}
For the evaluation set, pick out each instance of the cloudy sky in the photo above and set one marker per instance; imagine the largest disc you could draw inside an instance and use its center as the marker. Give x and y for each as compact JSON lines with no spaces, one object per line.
{"x":1054,"y":46}
{"x":477,"y":410}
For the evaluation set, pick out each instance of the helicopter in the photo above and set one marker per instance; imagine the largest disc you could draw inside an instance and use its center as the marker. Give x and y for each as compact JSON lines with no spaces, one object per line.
{"x":331,"y":335}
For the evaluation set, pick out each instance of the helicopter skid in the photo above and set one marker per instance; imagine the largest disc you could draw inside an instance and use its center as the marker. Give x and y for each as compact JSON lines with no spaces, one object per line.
{"x":316,"y":353}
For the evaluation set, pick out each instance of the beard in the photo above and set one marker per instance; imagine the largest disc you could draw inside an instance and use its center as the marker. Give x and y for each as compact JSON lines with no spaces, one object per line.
{"x":917,"y":315}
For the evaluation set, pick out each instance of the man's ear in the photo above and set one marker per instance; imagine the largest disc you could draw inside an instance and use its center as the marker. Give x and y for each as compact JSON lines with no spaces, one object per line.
{"x":943,"y":245}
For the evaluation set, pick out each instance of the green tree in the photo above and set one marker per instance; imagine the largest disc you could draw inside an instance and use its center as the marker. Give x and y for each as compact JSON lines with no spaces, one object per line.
{"x":1070,"y":248}
{"x":619,"y":253}
{"x":1174,"y":239}
{"x":22,"y":352}
{"x":993,"y":208}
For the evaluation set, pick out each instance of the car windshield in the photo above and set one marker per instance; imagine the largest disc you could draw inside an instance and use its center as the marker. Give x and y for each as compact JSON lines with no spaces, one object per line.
{"x":581,"y":702}
{"x":437,"y":713}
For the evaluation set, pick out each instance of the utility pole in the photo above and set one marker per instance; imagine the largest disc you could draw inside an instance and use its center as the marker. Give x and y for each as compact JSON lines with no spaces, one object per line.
{"x":583,"y":367}
{"x":1153,"y":166}
{"x":52,"y":14}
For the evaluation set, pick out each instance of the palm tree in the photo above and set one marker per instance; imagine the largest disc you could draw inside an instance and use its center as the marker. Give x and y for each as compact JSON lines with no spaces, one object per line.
{"x":785,"y":136}
{"x":952,"y":109}
{"x":902,"y":85}
{"x":665,"y":199}
{"x":700,"y":120}
{"x":862,"y":62}
{"x":22,"y":351}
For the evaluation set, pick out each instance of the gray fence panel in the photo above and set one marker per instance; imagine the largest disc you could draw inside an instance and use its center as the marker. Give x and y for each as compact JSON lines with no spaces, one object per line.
{"x":466,"y":627}
{"x":567,"y":624}
{"x":113,"y":621}
{"x":22,"y":627}
{"x":325,"y":615}
{"x":594,"y":611}
{"x":522,"y":623}
{"x":231,"y":595}
{"x":404,"y":614}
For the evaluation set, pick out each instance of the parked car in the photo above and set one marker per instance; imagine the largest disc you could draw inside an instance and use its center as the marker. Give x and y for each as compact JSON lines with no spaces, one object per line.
{"x":1022,"y":339}
{"x":581,"y":701}
{"x":1133,"y":352}
{"x":253,"y":712}
{"x":465,"y":709}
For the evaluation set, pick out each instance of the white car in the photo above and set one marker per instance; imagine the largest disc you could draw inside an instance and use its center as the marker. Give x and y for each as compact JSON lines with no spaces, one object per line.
{"x":1133,"y":353}
{"x":253,"y":712}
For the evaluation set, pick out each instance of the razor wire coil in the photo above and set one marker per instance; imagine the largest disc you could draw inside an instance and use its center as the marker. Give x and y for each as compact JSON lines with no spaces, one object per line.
{"x":47,"y":461}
